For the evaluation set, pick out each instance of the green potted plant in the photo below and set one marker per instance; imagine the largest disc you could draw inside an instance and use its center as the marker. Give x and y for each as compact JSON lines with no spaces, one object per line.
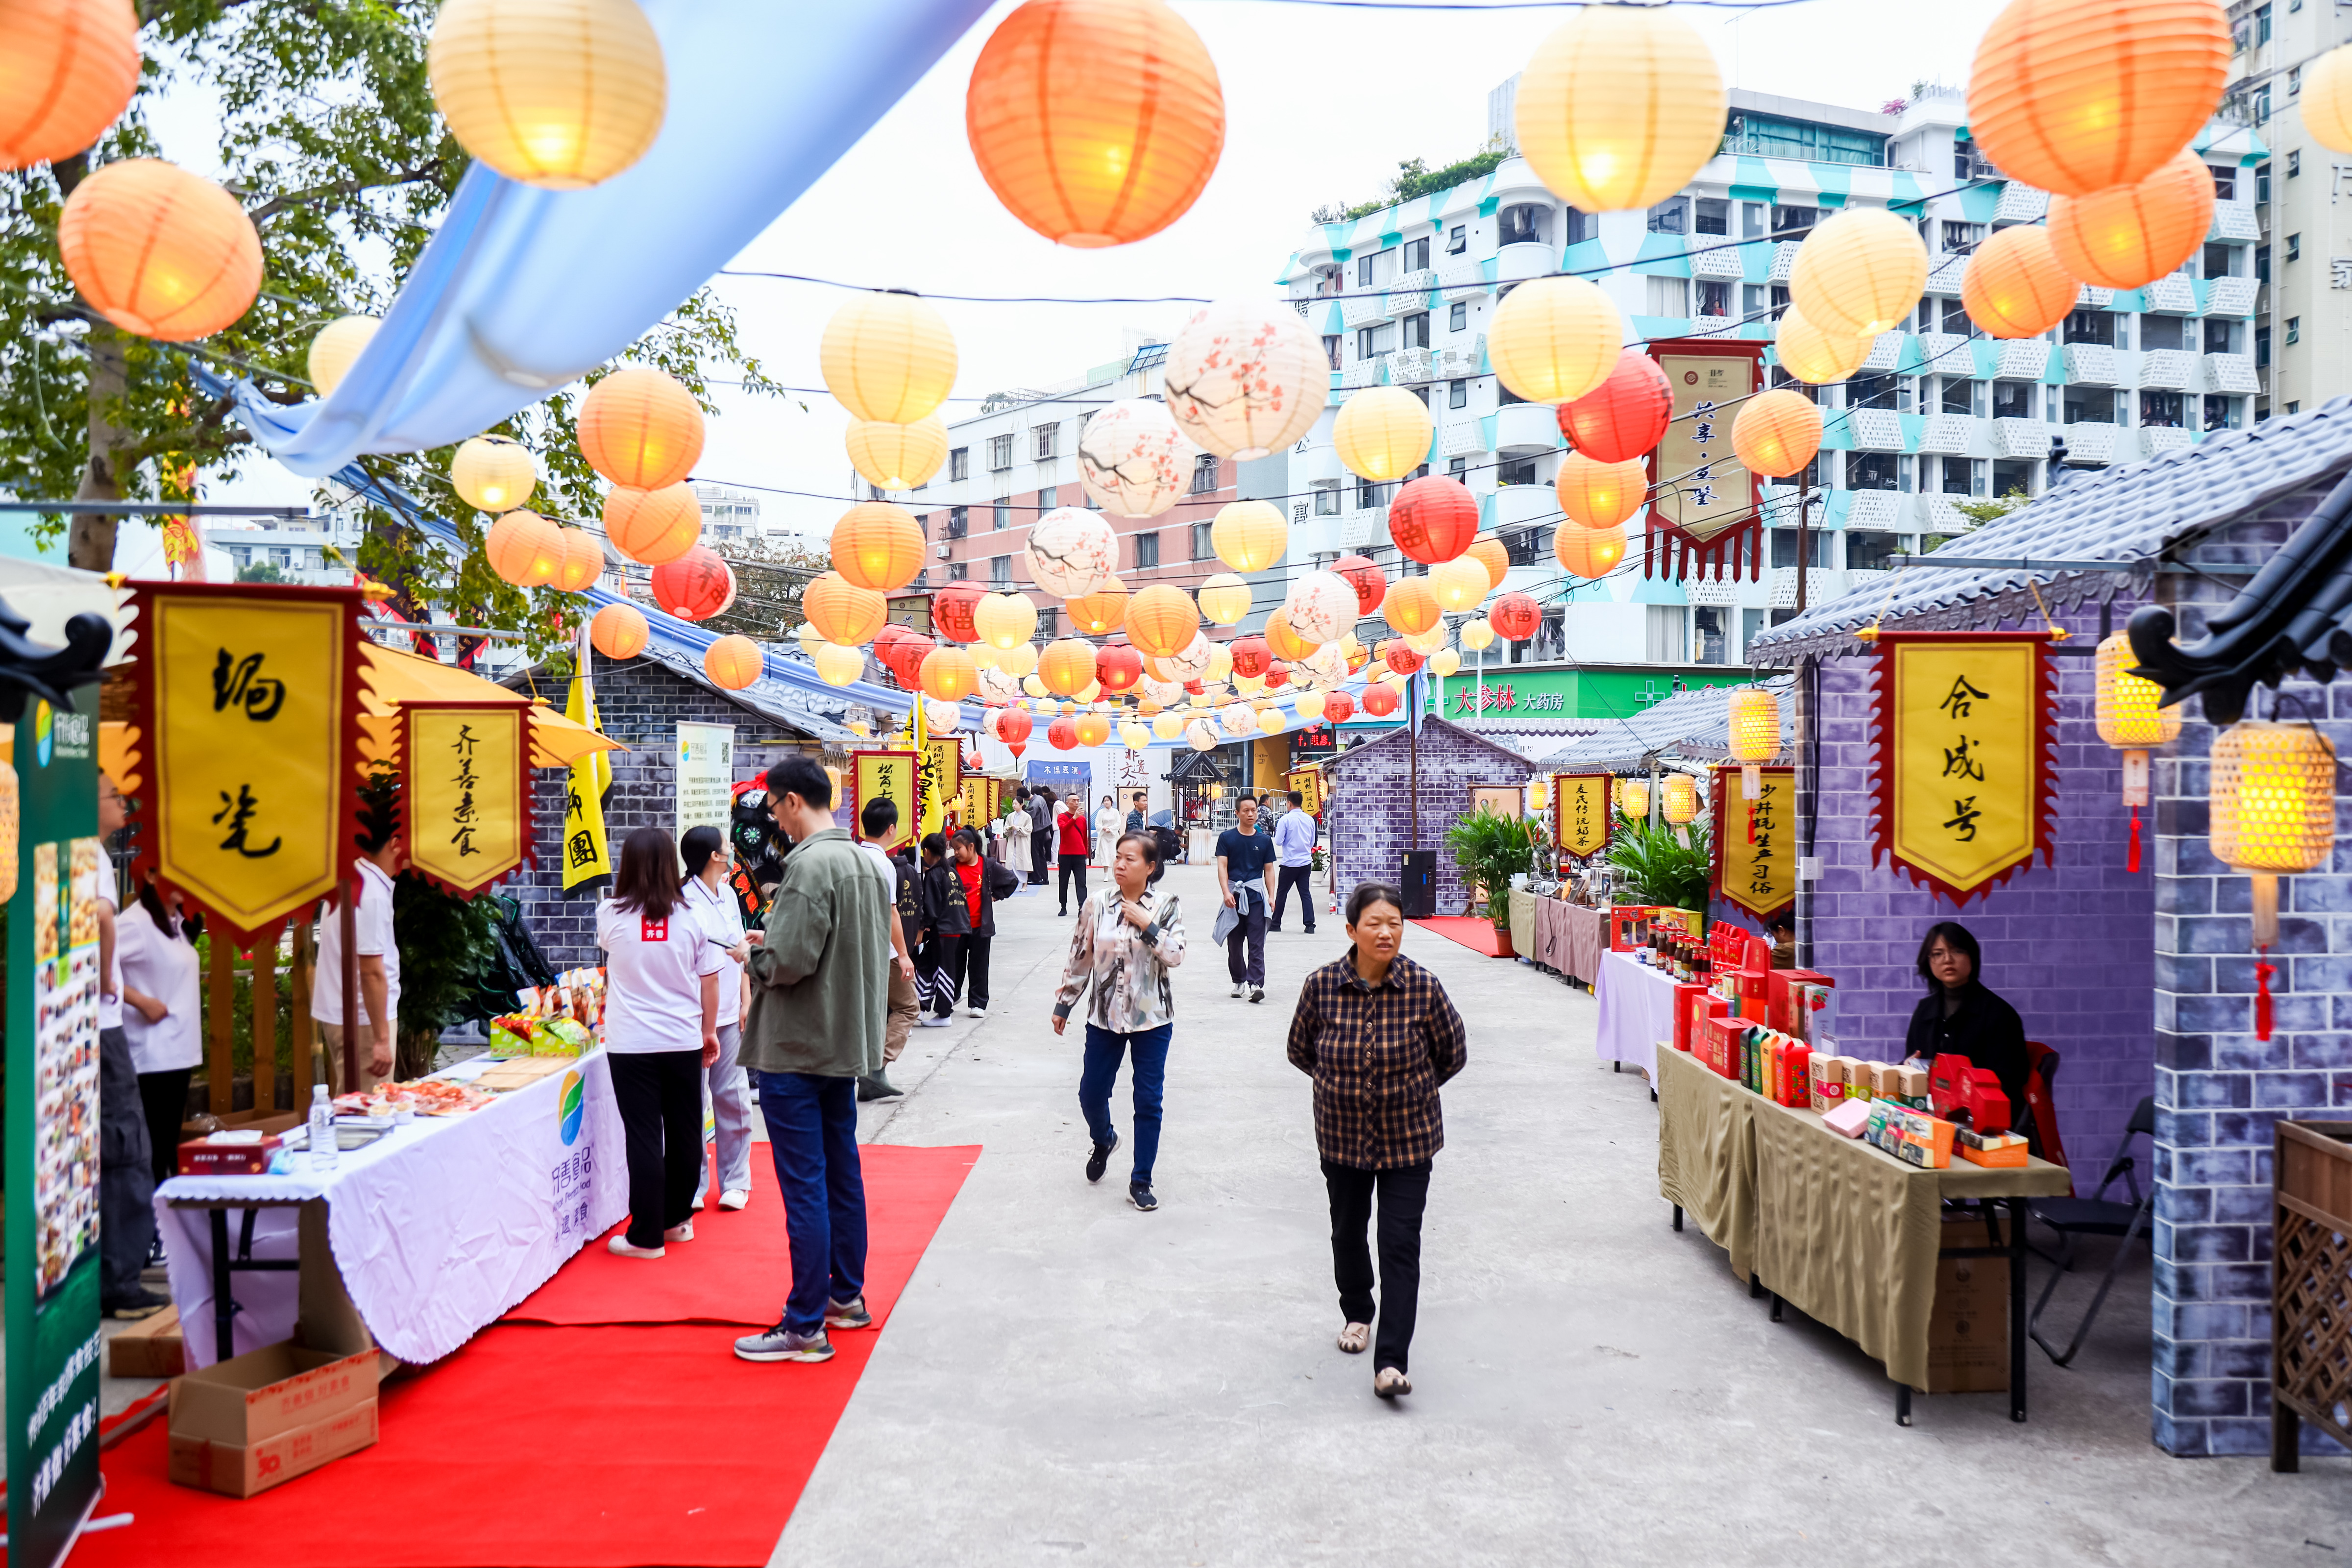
{"x":1662,"y":865}
{"x":1491,"y":848}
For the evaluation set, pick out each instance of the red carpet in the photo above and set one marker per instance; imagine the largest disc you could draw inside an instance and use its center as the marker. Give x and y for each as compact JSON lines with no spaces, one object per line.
{"x":1473,"y":932}
{"x":612,"y":1445}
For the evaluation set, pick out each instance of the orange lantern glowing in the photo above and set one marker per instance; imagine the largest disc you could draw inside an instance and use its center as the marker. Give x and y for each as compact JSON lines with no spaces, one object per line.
{"x":948,"y":674}
{"x":732,"y":662}
{"x":1588,"y":552}
{"x":1812,"y":354}
{"x":2016,"y":287}
{"x":67,"y":68}
{"x":1162,"y":620}
{"x":582,"y":561}
{"x":159,"y":251}
{"x":2076,"y":96}
{"x":524,"y":549}
{"x":1555,"y":338}
{"x":888,"y":355}
{"x":1777,"y":432}
{"x":896,"y":457}
{"x":1005,"y":621}
{"x":841,"y":611}
{"x":1490,"y":554}
{"x":1457,"y":585}
{"x":640,"y":427}
{"x":1600,"y":495}
{"x":1095,"y":122}
{"x":619,"y":631}
{"x":1283,"y":639}
{"x":1092,"y":729}
{"x":1860,"y":273}
{"x":653,"y":528}
{"x":1381,"y":698}
{"x":2132,"y":235}
{"x":878,"y":546}
{"x":1066,"y":667}
{"x":1411,"y":607}
{"x":1104,"y":610}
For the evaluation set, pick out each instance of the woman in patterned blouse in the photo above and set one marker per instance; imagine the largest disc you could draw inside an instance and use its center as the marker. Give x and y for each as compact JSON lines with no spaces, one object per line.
{"x":1379,"y":1036}
{"x":1129,"y":938}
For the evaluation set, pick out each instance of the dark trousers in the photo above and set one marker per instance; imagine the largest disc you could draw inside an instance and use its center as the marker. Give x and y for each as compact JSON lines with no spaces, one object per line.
{"x":1104,"y":1049}
{"x":1041,"y":854}
{"x":126,"y":1174}
{"x":812,"y":1131}
{"x":1286,"y":879}
{"x":930,"y":975}
{"x":1248,"y":937}
{"x":164,"y":1096}
{"x":1403,"y":1193}
{"x":1073,"y":866}
{"x":963,"y":967}
{"x":659,"y":1097}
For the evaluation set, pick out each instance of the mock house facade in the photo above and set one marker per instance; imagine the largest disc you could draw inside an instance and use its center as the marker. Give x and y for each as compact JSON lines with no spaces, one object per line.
{"x":1390,"y":794}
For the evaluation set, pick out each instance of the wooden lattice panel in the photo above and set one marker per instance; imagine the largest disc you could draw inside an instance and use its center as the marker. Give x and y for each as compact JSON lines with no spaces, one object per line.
{"x":2313,"y":1350}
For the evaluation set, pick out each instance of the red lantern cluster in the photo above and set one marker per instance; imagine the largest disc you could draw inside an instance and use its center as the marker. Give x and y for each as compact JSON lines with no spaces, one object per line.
{"x":1433,"y":519}
{"x":1012,"y":728}
{"x":1338,"y":708}
{"x":952,"y":611}
{"x":1371,"y":584}
{"x":1380,"y":698}
{"x":696,"y":586}
{"x":1251,"y":657}
{"x":1515,"y":617}
{"x":1625,"y":416}
{"x":1062,"y":735}
{"x":1118,"y":667}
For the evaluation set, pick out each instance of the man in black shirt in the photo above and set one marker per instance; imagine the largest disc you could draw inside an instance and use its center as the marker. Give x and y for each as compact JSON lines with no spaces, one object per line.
{"x":1135,"y":812}
{"x":1244,"y":868}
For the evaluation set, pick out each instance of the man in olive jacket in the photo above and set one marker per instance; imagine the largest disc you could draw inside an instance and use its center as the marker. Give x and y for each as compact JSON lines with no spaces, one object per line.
{"x":820,"y":993}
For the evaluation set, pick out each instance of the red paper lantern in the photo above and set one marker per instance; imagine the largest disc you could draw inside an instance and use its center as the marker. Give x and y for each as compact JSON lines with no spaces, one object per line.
{"x":1013,"y":728}
{"x":1250,"y":655}
{"x":1625,"y":415}
{"x":1515,"y":617}
{"x":1338,"y":708}
{"x":1118,"y":667}
{"x":1433,"y":518}
{"x":1371,"y":584}
{"x":696,"y":586}
{"x":1380,"y":698}
{"x":1278,"y":675}
{"x":952,"y":612}
{"x":905,"y":654}
{"x":1399,"y":655}
{"x":1062,"y":735}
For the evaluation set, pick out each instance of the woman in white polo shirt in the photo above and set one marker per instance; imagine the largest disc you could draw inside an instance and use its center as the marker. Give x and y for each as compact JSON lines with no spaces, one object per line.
{"x":156,"y":957}
{"x":713,"y":901}
{"x":662,"y":974}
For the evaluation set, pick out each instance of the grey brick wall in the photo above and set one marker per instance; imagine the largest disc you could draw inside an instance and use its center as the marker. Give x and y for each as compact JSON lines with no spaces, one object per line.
{"x":1371,"y":814}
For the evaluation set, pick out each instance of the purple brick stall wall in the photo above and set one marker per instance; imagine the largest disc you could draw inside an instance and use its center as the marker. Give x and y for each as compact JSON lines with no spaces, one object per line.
{"x":2068,"y":944}
{"x":2219,"y":1090}
{"x":1372,"y":804}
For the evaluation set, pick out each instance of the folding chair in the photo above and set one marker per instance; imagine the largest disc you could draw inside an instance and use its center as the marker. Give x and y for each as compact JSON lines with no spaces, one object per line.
{"x":2096,"y":1215}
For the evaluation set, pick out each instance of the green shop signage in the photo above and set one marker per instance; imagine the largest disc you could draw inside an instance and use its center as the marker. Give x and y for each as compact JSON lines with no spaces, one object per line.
{"x":1560,"y":691}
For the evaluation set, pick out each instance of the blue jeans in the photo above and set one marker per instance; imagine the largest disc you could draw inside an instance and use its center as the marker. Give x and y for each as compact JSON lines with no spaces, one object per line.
{"x":812,"y":1131}
{"x":1104,"y":1049}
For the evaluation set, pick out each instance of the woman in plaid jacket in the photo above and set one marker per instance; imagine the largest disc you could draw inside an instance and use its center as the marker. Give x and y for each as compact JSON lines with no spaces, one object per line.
{"x":1379,"y":1036}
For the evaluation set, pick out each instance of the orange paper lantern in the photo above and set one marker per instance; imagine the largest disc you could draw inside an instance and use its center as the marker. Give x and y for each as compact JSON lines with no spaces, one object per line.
{"x":640,"y":427}
{"x":1104,"y":610}
{"x":1860,"y":273}
{"x":1162,"y":620}
{"x":651,"y":527}
{"x":948,"y":674}
{"x":1066,"y":667}
{"x":1284,"y":639}
{"x":844,"y":613}
{"x":2132,"y":235}
{"x":878,"y":546}
{"x":67,"y":68}
{"x":1600,"y":495}
{"x":1411,"y":607}
{"x":2016,"y":287}
{"x":732,"y":662}
{"x":159,"y":251}
{"x":1588,"y":552}
{"x":696,"y":586}
{"x":2076,"y":96}
{"x":1777,"y":432}
{"x":619,"y":631}
{"x":582,"y":561}
{"x":1092,"y":729}
{"x":524,"y":549}
{"x":1095,"y":122}
{"x":1490,"y":554}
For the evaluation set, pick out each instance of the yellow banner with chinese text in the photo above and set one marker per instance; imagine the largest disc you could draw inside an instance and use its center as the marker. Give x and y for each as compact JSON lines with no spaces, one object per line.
{"x":1965,"y":728}
{"x":1308,"y":782}
{"x":1702,"y":488}
{"x":937,"y":780}
{"x":883,"y":776}
{"x":467,"y":793}
{"x":1580,"y":813}
{"x":1756,"y":840}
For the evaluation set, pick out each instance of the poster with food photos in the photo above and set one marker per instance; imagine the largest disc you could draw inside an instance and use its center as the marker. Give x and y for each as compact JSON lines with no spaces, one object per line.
{"x":65,"y":1043}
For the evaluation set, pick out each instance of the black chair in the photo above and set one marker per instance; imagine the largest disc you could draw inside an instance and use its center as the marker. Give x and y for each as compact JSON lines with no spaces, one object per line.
{"x":2097,"y":1216}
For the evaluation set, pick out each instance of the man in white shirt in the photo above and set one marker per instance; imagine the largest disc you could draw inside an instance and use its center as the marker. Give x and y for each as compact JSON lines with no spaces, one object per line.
{"x":378,"y":957}
{"x":1294,"y":848}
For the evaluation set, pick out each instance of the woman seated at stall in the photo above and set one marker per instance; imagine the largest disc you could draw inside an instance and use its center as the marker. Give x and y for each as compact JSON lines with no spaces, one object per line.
{"x":1959,"y":1017}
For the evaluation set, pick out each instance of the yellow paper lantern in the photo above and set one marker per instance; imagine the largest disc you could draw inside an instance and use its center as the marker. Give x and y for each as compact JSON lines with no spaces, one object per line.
{"x":1813,"y":355}
{"x":1538,"y":794}
{"x":878,"y":546}
{"x":1270,"y":721}
{"x":2272,"y":807}
{"x":582,"y":561}
{"x":2326,"y":101}
{"x":1458,"y":584}
{"x":1100,"y":613}
{"x":1595,"y":494}
{"x":1754,"y":724}
{"x":1225,"y":599}
{"x":888,"y":356}
{"x":652,"y":528}
{"x":619,"y":631}
{"x":896,"y":457}
{"x":1444,"y":662}
{"x":2073,"y":96}
{"x":948,"y":674}
{"x":495,"y":474}
{"x":2134,"y":235}
{"x":1220,"y":663}
{"x":1411,"y":605}
{"x":1588,"y":552}
{"x":1091,"y":691}
{"x":1249,"y":535}
{"x":1491,"y":553}
{"x":1383,"y":433}
{"x":1134,"y":736}
{"x":1777,"y":432}
{"x":67,"y":68}
{"x":561,"y":94}
{"x":806,"y":635}
{"x":1021,"y":659}
{"x":1093,"y":728}
{"x":333,"y":349}
{"x":1633,"y":797}
{"x":640,"y":427}
{"x":2016,"y":287}
{"x":1036,"y":687}
{"x":1429,"y":642}
{"x":2124,"y":706}
{"x":1005,"y":621}
{"x":1168,"y":726}
{"x":1309,"y":705}
{"x":841,"y":611}
{"x":1162,"y":621}
{"x":732,"y":662}
{"x":1619,"y":107}
{"x":1066,"y":666}
{"x":1860,"y":273}
{"x":1678,"y":802}
{"x":1476,"y":635}
{"x":159,"y":251}
{"x":1554,"y":338}
{"x":524,"y":549}
{"x":839,"y":666}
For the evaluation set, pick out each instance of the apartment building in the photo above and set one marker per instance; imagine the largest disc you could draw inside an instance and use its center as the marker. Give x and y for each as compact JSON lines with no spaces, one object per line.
{"x":1938,"y":414}
{"x":730,"y":515}
{"x":2302,"y":256}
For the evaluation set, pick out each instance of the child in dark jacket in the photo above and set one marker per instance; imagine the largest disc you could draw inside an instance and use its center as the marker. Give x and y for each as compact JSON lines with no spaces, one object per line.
{"x":959,"y":891}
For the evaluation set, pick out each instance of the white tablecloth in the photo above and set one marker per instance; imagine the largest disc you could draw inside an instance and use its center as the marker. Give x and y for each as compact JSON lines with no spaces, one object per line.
{"x":437,"y":1227}
{"x":1637,"y":1013}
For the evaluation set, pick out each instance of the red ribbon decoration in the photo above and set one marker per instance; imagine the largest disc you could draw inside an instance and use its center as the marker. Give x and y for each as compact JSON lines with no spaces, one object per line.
{"x":2131,"y":861}
{"x":2263,"y":1008}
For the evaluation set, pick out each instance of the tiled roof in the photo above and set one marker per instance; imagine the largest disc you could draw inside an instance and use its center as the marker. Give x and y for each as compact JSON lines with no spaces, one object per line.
{"x":1397,"y":737}
{"x":1693,"y":724}
{"x":2131,"y":515}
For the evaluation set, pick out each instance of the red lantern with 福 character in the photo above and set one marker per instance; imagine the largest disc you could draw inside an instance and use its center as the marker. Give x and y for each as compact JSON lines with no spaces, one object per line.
{"x":905,"y":656}
{"x":1371,"y":584}
{"x":1338,"y":708}
{"x":1433,"y":519}
{"x":1278,"y":675}
{"x":1515,"y":617}
{"x":1062,"y":735}
{"x":1625,"y":416}
{"x":952,"y":612}
{"x":1380,"y":698}
{"x":1251,"y":657}
{"x":1118,"y":667}
{"x":1013,"y":728}
{"x":696,"y":586}
{"x":1399,"y":655}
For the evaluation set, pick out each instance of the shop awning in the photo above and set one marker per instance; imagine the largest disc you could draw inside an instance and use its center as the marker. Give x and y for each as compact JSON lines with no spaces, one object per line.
{"x":394,"y":679}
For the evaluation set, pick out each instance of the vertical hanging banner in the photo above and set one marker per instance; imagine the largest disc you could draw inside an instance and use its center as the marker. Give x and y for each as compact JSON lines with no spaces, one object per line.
{"x":587,"y":854}
{"x":1308,"y":782}
{"x":246,"y":703}
{"x":1702,"y":513}
{"x":884,"y":775}
{"x":465,"y":789}
{"x":1755,"y":853}
{"x":52,"y":1170}
{"x":705,"y":776}
{"x":937,"y":779}
{"x":1968,"y":760}
{"x":1581,"y":813}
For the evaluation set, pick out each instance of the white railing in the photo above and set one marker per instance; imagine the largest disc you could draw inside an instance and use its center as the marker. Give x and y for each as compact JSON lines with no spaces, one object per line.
{"x":1876,"y":430}
{"x":2021,"y":438}
{"x":1527,"y":258}
{"x":1517,"y":506}
{"x":2166,"y":440}
{"x":1362,"y":527}
{"x":1460,"y":438}
{"x":1784,"y":260}
{"x":2020,"y":202}
{"x":1410,"y":367}
{"x":1457,"y":360}
{"x":1823,"y":584}
{"x":2093,"y":365}
{"x":1946,"y":354}
{"x":2171,"y":370}
{"x":2090,"y":441}
{"x":2091,"y":298}
{"x":2230,"y":296}
{"x":2233,"y":220}
{"x":1525,"y":428}
{"x":2231,"y":372}
{"x":1361,"y":311}
{"x":1886,"y":353}
{"x":1719,"y":260}
{"x":1881,"y":511}
{"x":1948,"y":275}
{"x":1463,"y":279}
{"x":1948,"y":434}
{"x":1942,"y":516}
{"x":2172,"y":295}
{"x":1411,"y":293}
{"x":1362,"y":373}
{"x":2024,"y":359}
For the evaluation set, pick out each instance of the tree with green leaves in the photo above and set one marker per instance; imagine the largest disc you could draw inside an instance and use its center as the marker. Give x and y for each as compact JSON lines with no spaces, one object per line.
{"x":328,"y":134}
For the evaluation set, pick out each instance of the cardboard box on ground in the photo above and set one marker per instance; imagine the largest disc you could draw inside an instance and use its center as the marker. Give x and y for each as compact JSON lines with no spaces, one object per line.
{"x":1968,"y":1332}
{"x":150,"y":1348}
{"x":243,"y":1425}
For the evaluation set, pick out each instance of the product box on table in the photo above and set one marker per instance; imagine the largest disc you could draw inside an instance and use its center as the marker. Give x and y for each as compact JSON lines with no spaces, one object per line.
{"x":1828,"y":1073}
{"x":1692,"y":1003}
{"x":1968,"y":1326}
{"x":1752,"y":989}
{"x":1628,"y":925}
{"x":151,"y":1347}
{"x":1781,"y":995}
{"x":1998,"y":1151}
{"x":237,"y":1153}
{"x":1719,"y":1036}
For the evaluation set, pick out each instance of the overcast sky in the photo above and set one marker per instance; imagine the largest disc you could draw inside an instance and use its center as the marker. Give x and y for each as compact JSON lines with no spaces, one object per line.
{"x":1321,"y":104}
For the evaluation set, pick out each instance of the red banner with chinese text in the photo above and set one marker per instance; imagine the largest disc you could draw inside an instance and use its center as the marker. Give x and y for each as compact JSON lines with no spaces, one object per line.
{"x":1705,"y":514}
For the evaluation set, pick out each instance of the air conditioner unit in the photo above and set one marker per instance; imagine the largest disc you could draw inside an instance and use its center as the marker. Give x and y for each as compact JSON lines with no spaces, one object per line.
{"x":941,"y":551}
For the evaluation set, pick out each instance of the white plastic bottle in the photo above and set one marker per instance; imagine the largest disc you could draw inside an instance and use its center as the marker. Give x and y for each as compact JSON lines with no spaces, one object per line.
{"x":324,"y":1151}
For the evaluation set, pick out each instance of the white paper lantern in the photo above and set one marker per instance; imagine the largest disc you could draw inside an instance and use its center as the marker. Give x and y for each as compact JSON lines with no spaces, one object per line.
{"x":998,"y":685}
{"x":1167,"y":693}
{"x":1133,"y":460}
{"x":942,"y":717}
{"x":1071,"y":552}
{"x":1322,"y":606}
{"x":1326,"y":667}
{"x":1192,"y":664}
{"x":1239,"y":720}
{"x":1245,"y":379}
{"x":1202,"y":734}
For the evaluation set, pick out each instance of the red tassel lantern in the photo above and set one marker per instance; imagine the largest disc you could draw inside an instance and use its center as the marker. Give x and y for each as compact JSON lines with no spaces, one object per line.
{"x":1433,"y":519}
{"x":1012,"y":726}
{"x":1371,"y":584}
{"x":1625,"y":415}
{"x":1515,"y":617}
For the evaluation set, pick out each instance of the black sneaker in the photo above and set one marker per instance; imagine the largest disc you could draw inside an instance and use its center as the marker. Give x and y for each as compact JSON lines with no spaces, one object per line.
{"x":1257,"y":993}
{"x":1139,"y":1195}
{"x":1100,"y":1158}
{"x":878,"y":1087}
{"x":141,"y":1303}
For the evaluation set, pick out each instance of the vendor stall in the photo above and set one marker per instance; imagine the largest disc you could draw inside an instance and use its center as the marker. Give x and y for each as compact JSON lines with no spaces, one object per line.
{"x":1637,"y":1012}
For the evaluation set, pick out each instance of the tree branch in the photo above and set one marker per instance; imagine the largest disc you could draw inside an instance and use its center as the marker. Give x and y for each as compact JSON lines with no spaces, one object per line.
{"x":352,"y":188}
{"x":185,"y":438}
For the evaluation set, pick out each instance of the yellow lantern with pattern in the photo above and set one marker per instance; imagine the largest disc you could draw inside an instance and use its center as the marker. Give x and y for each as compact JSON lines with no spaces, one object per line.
{"x":1678,"y":798}
{"x":2125,"y":710}
{"x":2273,"y":811}
{"x":1634,"y":798}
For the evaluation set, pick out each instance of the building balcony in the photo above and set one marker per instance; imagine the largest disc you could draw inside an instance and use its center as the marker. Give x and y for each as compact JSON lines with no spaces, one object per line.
{"x":1359,"y":528}
{"x":2234,"y":221}
{"x":2020,"y":202}
{"x":1718,"y":259}
{"x":1459,"y":360}
{"x":1362,"y":310}
{"x":1882,"y":511}
{"x":2171,"y":295}
{"x":1822,"y":585}
{"x":1941,"y":514}
{"x":1461,"y":437}
{"x":1946,"y":354}
{"x":1948,"y":434}
{"x":2169,"y":369}
{"x":1701,"y":587}
{"x":1947,"y":274}
{"x":1886,"y":352}
{"x":1527,"y":259}
{"x":2092,"y":442}
{"x":2090,"y":365}
{"x":1311,"y":536}
{"x":1521,"y":427}
{"x":2231,"y":372}
{"x":2161,"y":439}
{"x":1784,"y":260}
{"x":2021,"y":438}
{"x":1411,"y":293}
{"x":1363,"y":373}
{"x":2230,"y":296}
{"x":1412,"y":367}
{"x":2024,"y":359}
{"x":1462,"y":278}
{"x":2090,"y":297}
{"x":1522,"y":506}
{"x":1876,"y":430}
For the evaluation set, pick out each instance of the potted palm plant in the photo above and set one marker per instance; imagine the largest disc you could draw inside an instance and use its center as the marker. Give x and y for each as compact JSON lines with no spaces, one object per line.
{"x":1662,"y":865}
{"x":1491,"y":848}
